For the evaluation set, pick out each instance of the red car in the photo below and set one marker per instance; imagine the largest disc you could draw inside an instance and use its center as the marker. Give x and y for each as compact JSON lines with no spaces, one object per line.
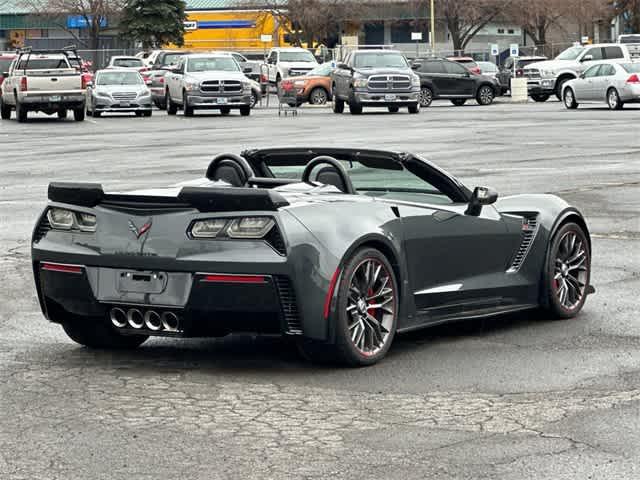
{"x":468,"y":62}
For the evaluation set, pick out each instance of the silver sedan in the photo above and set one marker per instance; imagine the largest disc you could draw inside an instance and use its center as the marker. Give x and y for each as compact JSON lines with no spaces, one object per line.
{"x":118,"y":91}
{"x":610,"y":82}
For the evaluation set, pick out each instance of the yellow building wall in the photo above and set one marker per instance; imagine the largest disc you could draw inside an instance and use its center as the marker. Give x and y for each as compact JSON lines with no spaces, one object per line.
{"x":232,"y":30}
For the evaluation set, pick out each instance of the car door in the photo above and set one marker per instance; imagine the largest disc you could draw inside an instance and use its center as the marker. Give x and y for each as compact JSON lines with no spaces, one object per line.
{"x":459,"y":80}
{"x":433,"y":70}
{"x":591,"y":57}
{"x":458,"y":262}
{"x":585,"y":85}
{"x":341,"y":77}
{"x":272,"y":65}
{"x":175,"y":80}
{"x":603,"y":81}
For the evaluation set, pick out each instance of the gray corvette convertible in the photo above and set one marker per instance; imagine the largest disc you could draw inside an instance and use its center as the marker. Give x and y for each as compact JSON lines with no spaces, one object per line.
{"x":339,"y":249}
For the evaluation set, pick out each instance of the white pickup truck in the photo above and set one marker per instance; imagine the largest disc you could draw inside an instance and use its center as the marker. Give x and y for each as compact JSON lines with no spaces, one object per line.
{"x":42,"y":81}
{"x":289,"y":62}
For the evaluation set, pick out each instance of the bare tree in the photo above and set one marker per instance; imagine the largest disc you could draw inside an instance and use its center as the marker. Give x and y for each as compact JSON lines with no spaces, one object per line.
{"x":465,"y":18}
{"x":95,"y":14}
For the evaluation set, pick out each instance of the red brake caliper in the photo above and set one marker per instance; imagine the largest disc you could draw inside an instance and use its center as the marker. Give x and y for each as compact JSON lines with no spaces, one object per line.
{"x":371,"y":311}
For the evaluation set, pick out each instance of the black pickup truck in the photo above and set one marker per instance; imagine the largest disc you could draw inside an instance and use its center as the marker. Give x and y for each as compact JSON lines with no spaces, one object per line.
{"x":375,"y":78}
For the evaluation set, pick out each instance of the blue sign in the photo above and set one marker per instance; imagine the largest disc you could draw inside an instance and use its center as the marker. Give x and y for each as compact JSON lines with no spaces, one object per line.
{"x":80,"y":21}
{"x":221,"y":24}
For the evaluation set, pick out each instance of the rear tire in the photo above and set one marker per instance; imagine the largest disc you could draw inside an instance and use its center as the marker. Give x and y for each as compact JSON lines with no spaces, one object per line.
{"x":338,"y":105}
{"x":318,"y":96}
{"x":560,"y":86}
{"x":426,"y":97}
{"x":567,"y":272}
{"x":99,"y":334}
{"x":613,"y":100}
{"x":78,"y":114}
{"x":485,"y":95}
{"x":5,"y":110}
{"x":21,"y":113}
{"x":363,"y":333}
{"x":458,"y":102}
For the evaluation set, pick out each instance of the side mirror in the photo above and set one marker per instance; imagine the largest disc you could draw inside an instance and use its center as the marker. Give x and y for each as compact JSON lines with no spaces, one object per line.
{"x":587,"y":58}
{"x":481,"y":196}
{"x":247,"y":70}
{"x":582,"y":77}
{"x":416,"y":66}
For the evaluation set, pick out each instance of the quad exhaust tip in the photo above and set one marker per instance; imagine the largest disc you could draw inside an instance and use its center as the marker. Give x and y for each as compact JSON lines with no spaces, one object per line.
{"x":149,"y":319}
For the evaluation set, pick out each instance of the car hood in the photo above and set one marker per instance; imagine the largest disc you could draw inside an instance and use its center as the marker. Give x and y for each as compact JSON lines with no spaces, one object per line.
{"x":384,"y":71}
{"x":551,"y":64}
{"x":215,"y":75}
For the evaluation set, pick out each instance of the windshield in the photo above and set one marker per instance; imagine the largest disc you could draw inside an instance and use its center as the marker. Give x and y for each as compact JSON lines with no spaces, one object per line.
{"x":297,"y":56}
{"x":42,"y":63}
{"x":171,"y":59}
{"x":630,"y":39}
{"x":209,"y":64}
{"x":371,"y":181}
{"x":380,"y":60}
{"x":631,"y":67}
{"x":127,"y":62}
{"x":118,"y":78}
{"x":570,"y":53}
{"x":323,"y":70}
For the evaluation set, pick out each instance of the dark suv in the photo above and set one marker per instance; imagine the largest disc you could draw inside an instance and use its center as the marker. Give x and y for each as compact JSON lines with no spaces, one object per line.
{"x":440,"y":78}
{"x":375,"y":78}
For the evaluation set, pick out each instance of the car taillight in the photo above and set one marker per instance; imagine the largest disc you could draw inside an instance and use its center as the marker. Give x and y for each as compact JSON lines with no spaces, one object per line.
{"x":633,"y":78}
{"x":519,"y":72}
{"x":84,"y":82}
{"x":161,"y":80}
{"x":23,"y":84}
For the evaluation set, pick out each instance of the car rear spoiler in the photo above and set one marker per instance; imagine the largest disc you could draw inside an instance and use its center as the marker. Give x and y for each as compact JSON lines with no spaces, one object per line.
{"x":204,"y":199}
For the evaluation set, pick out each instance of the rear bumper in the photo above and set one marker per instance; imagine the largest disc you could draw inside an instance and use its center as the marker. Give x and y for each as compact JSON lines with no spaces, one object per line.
{"x":265,"y":304}
{"x":630,"y":93}
{"x":52,"y":102}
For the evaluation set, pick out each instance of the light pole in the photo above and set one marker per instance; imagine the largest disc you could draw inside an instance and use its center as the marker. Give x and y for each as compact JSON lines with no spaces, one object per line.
{"x":433,"y":29}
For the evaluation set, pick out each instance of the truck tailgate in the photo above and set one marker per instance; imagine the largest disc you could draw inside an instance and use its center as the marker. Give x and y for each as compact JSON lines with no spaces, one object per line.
{"x":54,"y":80}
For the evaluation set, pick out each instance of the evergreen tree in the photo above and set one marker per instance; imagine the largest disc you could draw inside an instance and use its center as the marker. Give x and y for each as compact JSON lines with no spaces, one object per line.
{"x":154,"y":23}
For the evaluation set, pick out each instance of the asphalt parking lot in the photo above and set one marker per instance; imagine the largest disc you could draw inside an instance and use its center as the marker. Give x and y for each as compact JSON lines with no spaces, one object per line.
{"x":510,"y":398}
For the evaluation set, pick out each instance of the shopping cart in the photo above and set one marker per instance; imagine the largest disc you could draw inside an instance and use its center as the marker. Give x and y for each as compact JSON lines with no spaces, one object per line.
{"x":287,"y":98}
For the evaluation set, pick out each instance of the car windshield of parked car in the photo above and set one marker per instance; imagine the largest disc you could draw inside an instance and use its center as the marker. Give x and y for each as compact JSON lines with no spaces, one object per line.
{"x":378,"y":182}
{"x":210,"y":64}
{"x":380,"y":60}
{"x":128,"y":62}
{"x":630,"y":39}
{"x":42,"y":63}
{"x":631,"y":67}
{"x":171,"y":59}
{"x":570,"y":53}
{"x":323,"y":70}
{"x":302,"y":56}
{"x":118,"y":78}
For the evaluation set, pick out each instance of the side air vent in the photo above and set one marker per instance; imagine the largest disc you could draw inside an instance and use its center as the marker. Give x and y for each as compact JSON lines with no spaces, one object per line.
{"x":274,"y":238}
{"x":529,"y":231}
{"x":42,"y":229}
{"x":289,"y":305}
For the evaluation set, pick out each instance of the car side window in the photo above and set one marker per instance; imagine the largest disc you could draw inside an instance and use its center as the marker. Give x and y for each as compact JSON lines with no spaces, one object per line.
{"x":432,"y":67}
{"x":454,"y":68}
{"x":238,"y":58}
{"x":607,"y":71}
{"x":592,"y":72}
{"x":595,"y":52}
{"x":613,"y":52}
{"x":272,"y":57}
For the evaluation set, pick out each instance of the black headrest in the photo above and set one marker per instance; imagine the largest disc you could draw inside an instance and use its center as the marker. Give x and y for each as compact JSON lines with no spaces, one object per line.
{"x":330,"y":175}
{"x":230,"y":168}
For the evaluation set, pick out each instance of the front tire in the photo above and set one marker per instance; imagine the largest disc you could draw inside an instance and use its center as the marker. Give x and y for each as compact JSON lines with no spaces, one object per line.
{"x":567,"y":272}
{"x":355,"y":108}
{"x":366,"y":312}
{"x":62,"y":114}
{"x":426,"y":97}
{"x":485,"y":95}
{"x":413,"y":109}
{"x":172,"y":108}
{"x":78,"y":114}
{"x":318,"y":96}
{"x":569,"y":99}
{"x":338,"y":105}
{"x":540,"y":97}
{"x":613,"y":100}
{"x":99,"y":334}
{"x":393,"y":109}
{"x":245,"y":111}
{"x":21,"y":113}
{"x":188,"y":111}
